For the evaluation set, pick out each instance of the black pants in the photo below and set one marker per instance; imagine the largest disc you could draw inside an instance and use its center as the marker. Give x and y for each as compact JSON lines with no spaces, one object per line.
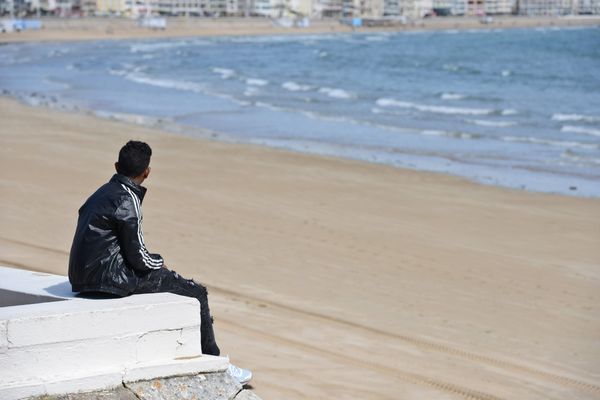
{"x":163,"y":280}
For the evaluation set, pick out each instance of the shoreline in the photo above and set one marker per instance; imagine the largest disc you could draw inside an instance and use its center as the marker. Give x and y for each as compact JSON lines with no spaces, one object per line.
{"x":121,"y":28}
{"x":495,"y":289}
{"x":203,"y":133}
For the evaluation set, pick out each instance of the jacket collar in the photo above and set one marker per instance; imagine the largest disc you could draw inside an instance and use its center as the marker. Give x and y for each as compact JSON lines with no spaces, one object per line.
{"x":140,"y":191}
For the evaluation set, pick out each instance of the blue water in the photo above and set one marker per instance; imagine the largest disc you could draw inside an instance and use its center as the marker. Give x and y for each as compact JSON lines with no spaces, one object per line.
{"x":516,"y":108}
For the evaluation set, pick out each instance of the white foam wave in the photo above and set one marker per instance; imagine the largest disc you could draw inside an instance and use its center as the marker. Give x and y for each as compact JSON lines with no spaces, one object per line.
{"x":509,"y":111}
{"x":132,"y":118}
{"x":337,"y":93}
{"x":506,"y":72}
{"x":496,"y":124}
{"x":575,"y":117}
{"x":581,"y":129}
{"x":457,"y":135}
{"x":556,"y":143}
{"x":295,"y":87}
{"x":452,"y":96}
{"x":149,"y":47}
{"x":378,"y":38}
{"x":256,"y":82}
{"x":435,"y":109}
{"x":451,"y":67}
{"x":225,"y":73}
{"x":117,"y":72}
{"x":58,"y":52}
{"x":251,"y":91}
{"x":165,"y":83}
{"x":271,"y":107}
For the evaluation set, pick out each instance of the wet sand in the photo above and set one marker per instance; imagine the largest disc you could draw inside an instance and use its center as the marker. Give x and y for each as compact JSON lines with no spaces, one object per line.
{"x":334,"y":279}
{"x":123,"y":28}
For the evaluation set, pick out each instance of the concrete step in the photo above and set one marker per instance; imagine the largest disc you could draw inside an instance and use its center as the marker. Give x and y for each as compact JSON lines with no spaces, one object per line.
{"x":71,"y":344}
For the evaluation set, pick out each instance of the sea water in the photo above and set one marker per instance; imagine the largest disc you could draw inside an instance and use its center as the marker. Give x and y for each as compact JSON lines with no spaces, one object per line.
{"x":516,"y":108}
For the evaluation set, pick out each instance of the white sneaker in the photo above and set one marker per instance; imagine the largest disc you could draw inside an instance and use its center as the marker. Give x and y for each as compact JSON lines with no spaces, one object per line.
{"x":241,"y":375}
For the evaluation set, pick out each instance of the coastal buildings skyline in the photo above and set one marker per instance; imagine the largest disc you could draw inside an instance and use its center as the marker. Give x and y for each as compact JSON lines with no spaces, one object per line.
{"x":299,"y":9}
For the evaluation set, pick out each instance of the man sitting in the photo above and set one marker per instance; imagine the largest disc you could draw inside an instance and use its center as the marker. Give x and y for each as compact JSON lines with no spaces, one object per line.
{"x":109,"y":256}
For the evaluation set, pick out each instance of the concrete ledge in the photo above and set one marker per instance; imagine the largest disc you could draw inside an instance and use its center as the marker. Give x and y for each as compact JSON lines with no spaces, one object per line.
{"x":78,"y":344}
{"x":35,"y":283}
{"x":208,"y":386}
{"x":178,"y":367}
{"x":98,"y":318}
{"x":78,"y":383}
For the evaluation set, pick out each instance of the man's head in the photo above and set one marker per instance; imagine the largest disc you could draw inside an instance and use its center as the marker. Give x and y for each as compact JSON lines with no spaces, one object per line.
{"x":134,"y":160}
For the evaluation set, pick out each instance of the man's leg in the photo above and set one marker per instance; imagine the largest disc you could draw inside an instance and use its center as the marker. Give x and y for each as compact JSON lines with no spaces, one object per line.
{"x":164,"y":280}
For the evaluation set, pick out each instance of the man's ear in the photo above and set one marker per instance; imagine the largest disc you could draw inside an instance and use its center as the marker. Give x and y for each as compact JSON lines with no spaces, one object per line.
{"x":146,"y":172}
{"x":117,"y":166}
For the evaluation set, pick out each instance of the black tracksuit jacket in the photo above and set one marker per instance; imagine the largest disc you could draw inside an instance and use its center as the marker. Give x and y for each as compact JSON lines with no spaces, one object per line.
{"x":108,"y":252}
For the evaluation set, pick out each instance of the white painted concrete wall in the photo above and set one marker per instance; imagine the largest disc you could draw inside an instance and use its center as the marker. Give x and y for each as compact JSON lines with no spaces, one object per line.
{"x":83,"y":344}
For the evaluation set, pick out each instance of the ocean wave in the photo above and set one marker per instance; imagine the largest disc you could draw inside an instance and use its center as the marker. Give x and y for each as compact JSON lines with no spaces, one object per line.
{"x":149,"y":47}
{"x":256,"y":82}
{"x":165,"y":83}
{"x":456,"y":135}
{"x":547,"y":142}
{"x":57,"y":52}
{"x":575,"y":117}
{"x":225,"y":73}
{"x":581,"y":129}
{"x":496,"y":124}
{"x":337,"y":93}
{"x":509,"y":111}
{"x":117,"y":72}
{"x":295,"y":87}
{"x":579,"y":158}
{"x":387,"y":102}
{"x":137,"y":119}
{"x":506,"y":72}
{"x":251,"y":91}
{"x":452,"y":96}
{"x":451,"y":67}
{"x":377,"y":38}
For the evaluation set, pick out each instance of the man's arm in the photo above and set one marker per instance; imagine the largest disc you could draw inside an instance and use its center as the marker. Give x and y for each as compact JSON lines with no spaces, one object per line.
{"x":129,"y":225}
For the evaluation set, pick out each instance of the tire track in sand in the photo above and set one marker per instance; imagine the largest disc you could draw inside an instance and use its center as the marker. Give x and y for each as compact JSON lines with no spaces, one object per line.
{"x":406,"y":376}
{"x":429,"y":345}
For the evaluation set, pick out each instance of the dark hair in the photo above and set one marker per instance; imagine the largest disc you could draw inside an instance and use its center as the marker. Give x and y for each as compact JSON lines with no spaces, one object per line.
{"x":134,"y":158}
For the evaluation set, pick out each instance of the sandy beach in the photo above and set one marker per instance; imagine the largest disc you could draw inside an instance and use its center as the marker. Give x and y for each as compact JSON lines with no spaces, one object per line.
{"x":122,"y":28}
{"x":334,"y":279}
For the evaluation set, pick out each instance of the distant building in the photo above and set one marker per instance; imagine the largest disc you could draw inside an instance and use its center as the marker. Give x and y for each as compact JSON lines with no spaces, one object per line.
{"x":366,"y":8}
{"x":18,"y":8}
{"x":333,"y":8}
{"x":544,"y":7}
{"x":112,"y":7}
{"x":454,"y":7}
{"x":475,"y":7}
{"x":495,"y":7}
{"x":301,"y":8}
{"x":424,"y":7}
{"x":588,"y":7}
{"x":391,"y":8}
{"x":459,"y":7}
{"x":88,"y":7}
